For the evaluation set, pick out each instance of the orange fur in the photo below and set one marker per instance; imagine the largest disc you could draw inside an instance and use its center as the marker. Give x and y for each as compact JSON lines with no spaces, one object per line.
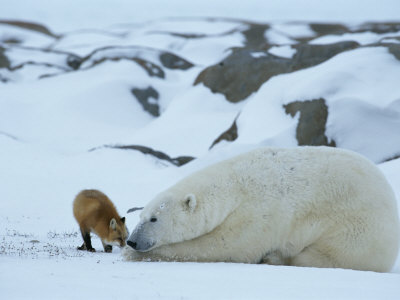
{"x":95,"y":213}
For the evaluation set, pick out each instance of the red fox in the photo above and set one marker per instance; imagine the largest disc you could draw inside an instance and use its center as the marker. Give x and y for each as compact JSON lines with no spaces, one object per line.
{"x":95,"y":212}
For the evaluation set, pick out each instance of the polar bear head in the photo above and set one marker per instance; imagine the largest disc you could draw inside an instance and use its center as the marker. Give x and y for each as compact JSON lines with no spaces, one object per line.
{"x":191,"y":208}
{"x":169,"y":218}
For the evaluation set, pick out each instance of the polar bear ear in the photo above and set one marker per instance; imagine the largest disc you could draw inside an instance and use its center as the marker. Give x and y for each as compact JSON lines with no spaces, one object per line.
{"x":190,"y":202}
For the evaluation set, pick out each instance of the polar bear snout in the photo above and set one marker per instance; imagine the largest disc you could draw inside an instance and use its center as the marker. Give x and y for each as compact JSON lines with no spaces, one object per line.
{"x":140,"y":241}
{"x":141,"y":244}
{"x":132,"y":244}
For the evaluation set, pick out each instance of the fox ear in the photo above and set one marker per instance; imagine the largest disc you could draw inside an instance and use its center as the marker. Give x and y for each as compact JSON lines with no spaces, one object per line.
{"x":190,"y":202}
{"x":113,"y":224}
{"x":123,"y":220}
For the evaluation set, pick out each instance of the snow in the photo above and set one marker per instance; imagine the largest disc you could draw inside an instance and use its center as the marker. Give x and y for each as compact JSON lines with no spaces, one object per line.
{"x":116,"y":279}
{"x":34,"y":39}
{"x":258,"y":54}
{"x":372,"y":78}
{"x":363,"y":38}
{"x":48,"y":125}
{"x":294,"y":29}
{"x":282,"y":51}
{"x":382,"y":132}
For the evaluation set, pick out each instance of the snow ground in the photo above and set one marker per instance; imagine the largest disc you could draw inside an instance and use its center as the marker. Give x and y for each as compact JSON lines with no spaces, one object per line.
{"x":47,"y":127}
{"x":103,"y":276}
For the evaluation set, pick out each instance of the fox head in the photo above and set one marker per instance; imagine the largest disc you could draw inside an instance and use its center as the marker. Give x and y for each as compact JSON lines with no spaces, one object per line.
{"x":117,"y":232}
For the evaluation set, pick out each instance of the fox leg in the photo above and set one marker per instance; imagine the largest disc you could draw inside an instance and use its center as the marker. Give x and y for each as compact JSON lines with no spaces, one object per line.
{"x":107,"y":248}
{"x":87,"y":242}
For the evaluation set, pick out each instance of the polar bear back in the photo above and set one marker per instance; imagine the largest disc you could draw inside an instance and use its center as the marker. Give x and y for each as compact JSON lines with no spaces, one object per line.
{"x":297,"y":180}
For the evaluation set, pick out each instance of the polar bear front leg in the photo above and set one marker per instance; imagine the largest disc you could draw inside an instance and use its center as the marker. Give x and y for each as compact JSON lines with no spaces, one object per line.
{"x":129,"y":254}
{"x":275,"y":258}
{"x":132,"y":255}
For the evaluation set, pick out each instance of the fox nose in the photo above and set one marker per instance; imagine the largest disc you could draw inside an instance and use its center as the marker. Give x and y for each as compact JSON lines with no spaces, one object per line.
{"x":132,"y":244}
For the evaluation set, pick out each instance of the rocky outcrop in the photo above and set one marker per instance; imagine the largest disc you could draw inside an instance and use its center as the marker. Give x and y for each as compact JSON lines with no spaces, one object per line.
{"x":255,"y":35}
{"x":392,"y":158}
{"x":379,"y":27}
{"x":30,"y":26}
{"x":252,"y":56}
{"x":308,"y":55}
{"x":312,"y":122}
{"x":177,"y":161}
{"x":148,"y":99}
{"x":229,"y":135}
{"x":172,"y":61}
{"x":4,"y":62}
{"x":243,"y":72}
{"x":395,"y":49}
{"x":328,"y":28}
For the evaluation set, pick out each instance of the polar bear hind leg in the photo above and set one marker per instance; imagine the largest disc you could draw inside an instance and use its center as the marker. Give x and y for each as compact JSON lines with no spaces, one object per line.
{"x":308,"y":257}
{"x":325,"y":255}
{"x":312,"y":257}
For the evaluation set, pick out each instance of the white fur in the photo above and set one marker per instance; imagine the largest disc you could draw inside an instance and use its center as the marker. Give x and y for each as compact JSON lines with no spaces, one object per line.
{"x":306,"y":206}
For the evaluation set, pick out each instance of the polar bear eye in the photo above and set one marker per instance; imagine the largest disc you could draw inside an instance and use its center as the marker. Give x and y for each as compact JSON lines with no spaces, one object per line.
{"x":153,"y":219}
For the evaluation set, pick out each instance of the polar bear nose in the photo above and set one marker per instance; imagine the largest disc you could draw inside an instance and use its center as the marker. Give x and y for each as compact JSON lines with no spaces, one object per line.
{"x":132,"y":244}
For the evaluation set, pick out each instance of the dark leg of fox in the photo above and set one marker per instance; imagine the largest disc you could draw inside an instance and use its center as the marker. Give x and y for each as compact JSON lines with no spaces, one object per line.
{"x":87,"y":242}
{"x":107,"y":248}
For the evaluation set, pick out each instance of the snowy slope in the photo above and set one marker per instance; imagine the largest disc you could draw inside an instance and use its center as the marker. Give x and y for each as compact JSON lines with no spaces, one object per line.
{"x":102,"y":74}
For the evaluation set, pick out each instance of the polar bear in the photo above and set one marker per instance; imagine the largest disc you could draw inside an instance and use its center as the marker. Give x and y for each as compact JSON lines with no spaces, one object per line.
{"x":305,"y":206}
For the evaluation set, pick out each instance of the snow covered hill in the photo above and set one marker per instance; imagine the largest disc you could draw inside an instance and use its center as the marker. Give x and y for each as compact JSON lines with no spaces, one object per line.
{"x":130,"y":102}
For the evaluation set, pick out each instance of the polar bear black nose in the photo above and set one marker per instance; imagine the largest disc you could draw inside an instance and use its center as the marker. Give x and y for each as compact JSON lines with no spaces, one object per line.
{"x":132,"y":244}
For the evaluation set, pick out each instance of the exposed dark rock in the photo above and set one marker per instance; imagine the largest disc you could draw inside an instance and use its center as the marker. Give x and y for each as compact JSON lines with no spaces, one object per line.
{"x":229,"y":135}
{"x":311,"y":127}
{"x":33,"y":63}
{"x":384,"y":27}
{"x":11,"y":40}
{"x":152,"y":69}
{"x":395,"y":50}
{"x":4,"y":62}
{"x":74,"y":61}
{"x":177,"y":161}
{"x":132,"y":53}
{"x":391,"y":158}
{"x":30,"y":26}
{"x":172,"y":61}
{"x":324,"y":28}
{"x":71,"y":60}
{"x":338,"y":29}
{"x":182,"y":35}
{"x":241,"y":73}
{"x":310,"y":55}
{"x":255,"y":35}
{"x":146,"y":97}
